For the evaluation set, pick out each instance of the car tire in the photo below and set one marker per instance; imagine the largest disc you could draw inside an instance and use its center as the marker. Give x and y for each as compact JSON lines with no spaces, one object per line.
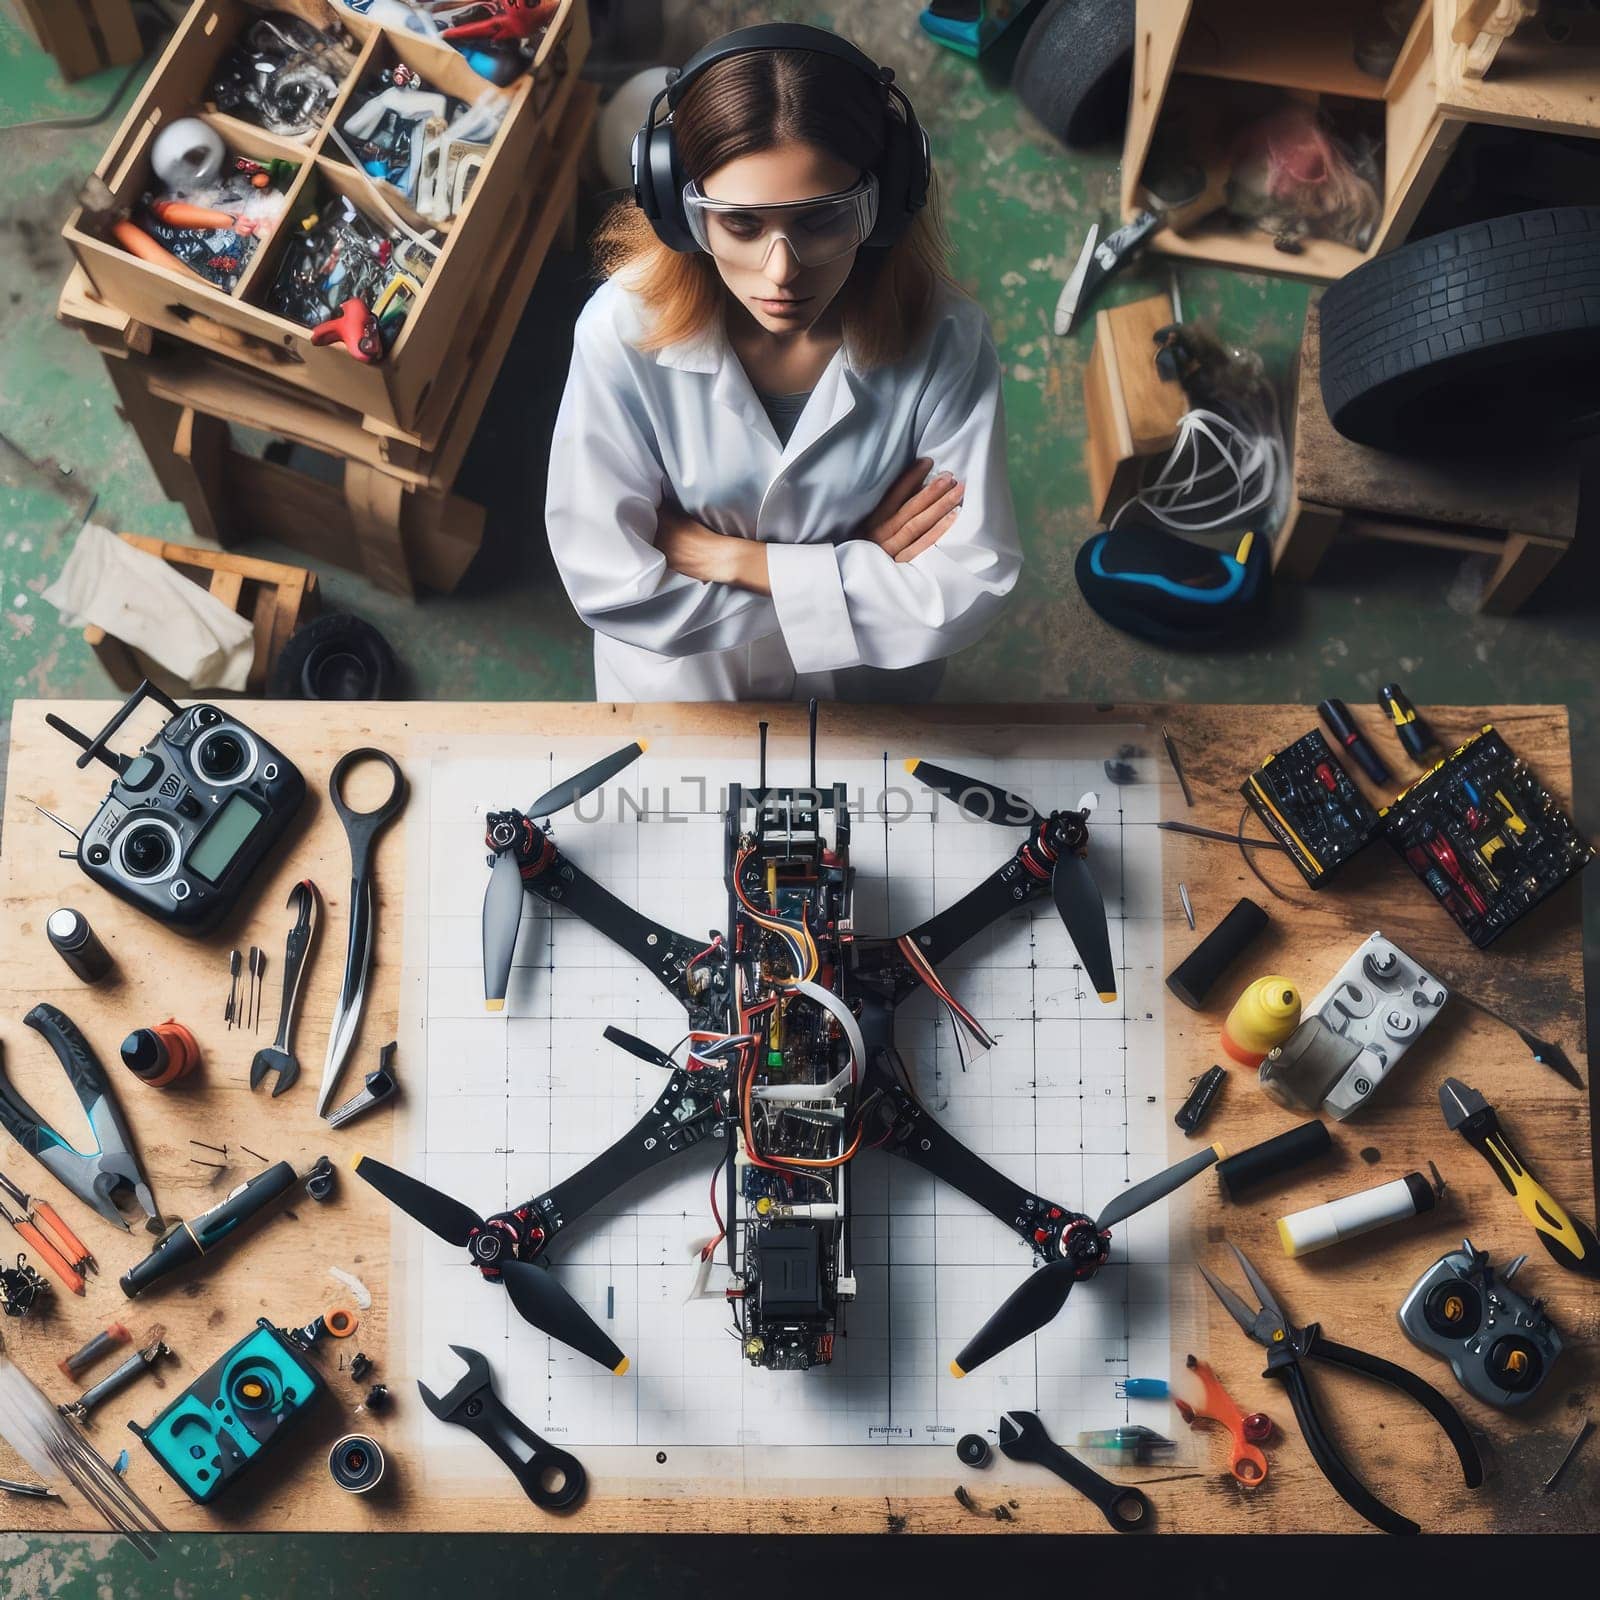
{"x":1483,"y":336}
{"x":1074,"y":69}
{"x":337,"y":657}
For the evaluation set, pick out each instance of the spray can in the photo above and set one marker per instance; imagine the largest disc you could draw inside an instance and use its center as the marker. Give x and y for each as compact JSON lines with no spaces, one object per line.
{"x":1262,"y":1018}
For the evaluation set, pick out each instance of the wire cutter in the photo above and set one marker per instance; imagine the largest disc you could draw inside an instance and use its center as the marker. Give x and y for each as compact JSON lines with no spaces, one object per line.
{"x":100,"y":1176}
{"x":1288,"y":1347}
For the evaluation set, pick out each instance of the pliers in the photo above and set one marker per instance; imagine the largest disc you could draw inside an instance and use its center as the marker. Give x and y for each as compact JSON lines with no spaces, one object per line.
{"x":111,"y":1169}
{"x":1289,"y":1346}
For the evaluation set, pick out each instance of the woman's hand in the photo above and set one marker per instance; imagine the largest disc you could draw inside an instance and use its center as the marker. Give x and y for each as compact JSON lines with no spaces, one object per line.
{"x":698,"y":552}
{"x":915,"y":513}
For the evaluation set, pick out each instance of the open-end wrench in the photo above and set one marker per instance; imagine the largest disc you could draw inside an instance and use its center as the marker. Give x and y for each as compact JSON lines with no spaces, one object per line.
{"x":279,"y":1056}
{"x":1023,"y":1438}
{"x":551,"y":1478}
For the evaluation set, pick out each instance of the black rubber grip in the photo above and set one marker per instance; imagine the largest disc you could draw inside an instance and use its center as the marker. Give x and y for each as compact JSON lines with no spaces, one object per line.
{"x":1193,"y":978}
{"x":1273,"y":1157}
{"x":1325,"y":1453}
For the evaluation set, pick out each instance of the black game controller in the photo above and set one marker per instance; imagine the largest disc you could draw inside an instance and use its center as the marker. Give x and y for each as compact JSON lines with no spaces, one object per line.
{"x":1500,"y":1346}
{"x":188,"y":819}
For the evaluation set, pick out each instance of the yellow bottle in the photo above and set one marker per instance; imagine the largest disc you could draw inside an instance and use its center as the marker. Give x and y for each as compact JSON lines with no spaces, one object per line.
{"x":1262,"y":1018}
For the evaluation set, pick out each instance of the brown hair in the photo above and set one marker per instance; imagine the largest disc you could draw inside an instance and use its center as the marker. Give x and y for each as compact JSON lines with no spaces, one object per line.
{"x":755,"y":102}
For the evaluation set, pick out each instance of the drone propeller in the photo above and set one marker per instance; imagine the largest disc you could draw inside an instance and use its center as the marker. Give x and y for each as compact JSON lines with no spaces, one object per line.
{"x":984,"y":801}
{"x":502,"y":900}
{"x":1077,"y":896}
{"x":502,"y":918}
{"x":587,"y":781}
{"x":537,"y":1295}
{"x":1041,"y":1295}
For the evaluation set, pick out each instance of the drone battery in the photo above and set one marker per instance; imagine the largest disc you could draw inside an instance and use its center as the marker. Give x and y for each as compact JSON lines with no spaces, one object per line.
{"x":789,"y":1260}
{"x":232,"y":1413}
{"x":1192,"y":979}
{"x":1273,"y":1158}
{"x":1301,"y":1232}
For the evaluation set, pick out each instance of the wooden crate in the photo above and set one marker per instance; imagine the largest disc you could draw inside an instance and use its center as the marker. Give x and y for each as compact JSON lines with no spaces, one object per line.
{"x":1205,"y":54}
{"x":392,"y":394}
{"x":391,"y":511}
{"x":276,"y":598}
{"x":1521,"y":514}
{"x":1131,"y":414}
{"x":85,"y":36}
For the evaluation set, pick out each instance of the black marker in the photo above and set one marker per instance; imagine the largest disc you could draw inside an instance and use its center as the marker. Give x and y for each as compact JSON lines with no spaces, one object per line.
{"x":1410,"y":729}
{"x":188,"y":1241}
{"x":1342,"y":725}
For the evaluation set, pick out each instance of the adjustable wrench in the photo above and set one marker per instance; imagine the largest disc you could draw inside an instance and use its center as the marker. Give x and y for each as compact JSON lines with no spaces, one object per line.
{"x":473,"y":1404}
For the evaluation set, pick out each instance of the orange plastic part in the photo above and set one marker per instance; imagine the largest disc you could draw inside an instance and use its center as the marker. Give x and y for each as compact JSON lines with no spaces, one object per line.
{"x":339,"y":1322}
{"x":1247,"y":1463}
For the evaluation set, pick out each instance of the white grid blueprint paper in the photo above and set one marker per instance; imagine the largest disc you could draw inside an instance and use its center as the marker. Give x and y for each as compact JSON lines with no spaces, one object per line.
{"x":1070,"y":1104}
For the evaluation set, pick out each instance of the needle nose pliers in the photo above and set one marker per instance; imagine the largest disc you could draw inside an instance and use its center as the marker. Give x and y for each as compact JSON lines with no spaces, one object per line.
{"x":1288,"y":1347}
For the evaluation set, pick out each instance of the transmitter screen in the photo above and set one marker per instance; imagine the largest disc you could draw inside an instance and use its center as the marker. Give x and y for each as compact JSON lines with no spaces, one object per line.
{"x":223,"y":838}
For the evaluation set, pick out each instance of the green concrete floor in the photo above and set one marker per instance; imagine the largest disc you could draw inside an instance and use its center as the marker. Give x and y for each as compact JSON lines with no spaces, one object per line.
{"x":1016,"y":206}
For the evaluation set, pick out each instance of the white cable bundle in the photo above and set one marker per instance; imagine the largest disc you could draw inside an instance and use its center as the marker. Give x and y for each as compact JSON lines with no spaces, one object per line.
{"x":1182,"y":493}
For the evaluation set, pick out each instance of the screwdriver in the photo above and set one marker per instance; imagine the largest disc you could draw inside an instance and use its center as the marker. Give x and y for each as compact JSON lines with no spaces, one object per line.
{"x":1570,"y":1241}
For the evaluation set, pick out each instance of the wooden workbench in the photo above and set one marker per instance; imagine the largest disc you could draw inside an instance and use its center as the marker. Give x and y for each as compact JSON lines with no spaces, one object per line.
{"x":1534,"y":975}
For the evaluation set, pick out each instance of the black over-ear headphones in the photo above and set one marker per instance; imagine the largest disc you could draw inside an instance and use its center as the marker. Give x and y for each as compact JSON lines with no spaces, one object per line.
{"x":903,"y":171}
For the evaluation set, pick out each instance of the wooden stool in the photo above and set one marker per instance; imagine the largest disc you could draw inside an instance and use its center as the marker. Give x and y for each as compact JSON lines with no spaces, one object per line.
{"x":276,"y":599}
{"x":1522,"y":512}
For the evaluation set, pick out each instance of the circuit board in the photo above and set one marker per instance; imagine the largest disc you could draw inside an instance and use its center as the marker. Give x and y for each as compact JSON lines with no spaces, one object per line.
{"x":1310,"y":806}
{"x":1485,"y":836}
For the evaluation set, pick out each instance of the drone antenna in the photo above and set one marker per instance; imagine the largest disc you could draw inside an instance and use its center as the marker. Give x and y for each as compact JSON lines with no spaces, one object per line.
{"x":761,"y":736}
{"x":812,"y":711}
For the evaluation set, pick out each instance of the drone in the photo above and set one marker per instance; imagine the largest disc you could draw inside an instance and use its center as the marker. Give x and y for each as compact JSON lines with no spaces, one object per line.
{"x":790,"y":1063}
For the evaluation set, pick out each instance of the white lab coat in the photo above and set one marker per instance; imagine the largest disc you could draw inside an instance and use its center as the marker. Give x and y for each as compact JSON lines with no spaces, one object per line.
{"x":684,"y":424}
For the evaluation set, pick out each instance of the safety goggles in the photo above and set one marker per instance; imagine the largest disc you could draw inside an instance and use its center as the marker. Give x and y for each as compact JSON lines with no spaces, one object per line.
{"x":816,"y":231}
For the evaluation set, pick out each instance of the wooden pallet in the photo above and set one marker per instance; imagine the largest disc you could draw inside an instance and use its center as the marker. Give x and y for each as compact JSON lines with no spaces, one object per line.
{"x":85,"y":36}
{"x":393,"y":513}
{"x":276,"y":598}
{"x":1520,"y":513}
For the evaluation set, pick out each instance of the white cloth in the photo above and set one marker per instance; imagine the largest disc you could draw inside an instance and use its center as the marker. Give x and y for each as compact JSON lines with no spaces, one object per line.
{"x":685,"y":425}
{"x":138,"y":598}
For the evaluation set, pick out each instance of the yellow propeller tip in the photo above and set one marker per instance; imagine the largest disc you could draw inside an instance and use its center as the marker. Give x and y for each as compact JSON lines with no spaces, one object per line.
{"x":955,"y":1370}
{"x":911,"y":763}
{"x":1108,"y":995}
{"x":494,"y":1005}
{"x":621,"y":1367}
{"x":643,"y":744}
{"x":1221,"y":1150}
{"x":356,"y":1160}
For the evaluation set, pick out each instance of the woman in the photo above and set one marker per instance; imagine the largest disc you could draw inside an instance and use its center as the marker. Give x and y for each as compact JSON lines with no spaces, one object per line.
{"x":779,"y":467}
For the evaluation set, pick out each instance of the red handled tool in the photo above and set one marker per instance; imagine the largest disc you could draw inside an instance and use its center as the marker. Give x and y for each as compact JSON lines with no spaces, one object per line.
{"x":68,"y":1257}
{"x":507,"y":22}
{"x":355,"y":328}
{"x":1246,"y":1462}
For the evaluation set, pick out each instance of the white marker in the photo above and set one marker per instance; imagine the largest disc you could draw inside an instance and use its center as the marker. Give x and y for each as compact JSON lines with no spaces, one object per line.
{"x":1344,"y":1218}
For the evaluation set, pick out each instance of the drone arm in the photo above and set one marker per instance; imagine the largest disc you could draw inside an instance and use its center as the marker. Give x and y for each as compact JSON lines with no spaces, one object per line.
{"x":1005,"y":889}
{"x":663,"y":952}
{"x":908,"y":1130}
{"x":684,"y":1113}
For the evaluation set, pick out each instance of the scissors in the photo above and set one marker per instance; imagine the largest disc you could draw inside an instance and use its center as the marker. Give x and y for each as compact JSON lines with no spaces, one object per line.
{"x":1289,"y":1346}
{"x":362,"y":829}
